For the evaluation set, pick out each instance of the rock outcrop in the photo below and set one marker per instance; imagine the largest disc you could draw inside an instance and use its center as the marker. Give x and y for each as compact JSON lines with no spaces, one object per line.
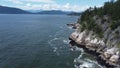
{"x":99,"y":31}
{"x":90,"y":41}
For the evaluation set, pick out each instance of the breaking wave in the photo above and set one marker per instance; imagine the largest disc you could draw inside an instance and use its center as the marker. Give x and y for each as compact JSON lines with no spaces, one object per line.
{"x":82,"y":62}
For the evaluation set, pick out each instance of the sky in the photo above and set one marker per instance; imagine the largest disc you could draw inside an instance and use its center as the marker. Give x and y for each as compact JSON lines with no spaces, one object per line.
{"x":64,"y":5}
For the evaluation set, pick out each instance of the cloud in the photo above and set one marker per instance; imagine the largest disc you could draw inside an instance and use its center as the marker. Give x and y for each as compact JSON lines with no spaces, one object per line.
{"x":15,"y":1}
{"x":65,"y":7}
{"x":35,"y":1}
{"x":46,"y":5}
{"x":42,"y":1}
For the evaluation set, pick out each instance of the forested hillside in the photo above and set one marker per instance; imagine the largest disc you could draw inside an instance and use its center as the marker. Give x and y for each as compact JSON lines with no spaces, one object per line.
{"x":104,"y":22}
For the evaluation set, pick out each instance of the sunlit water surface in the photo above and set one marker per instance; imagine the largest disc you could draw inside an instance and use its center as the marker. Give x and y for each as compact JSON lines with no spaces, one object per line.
{"x":39,"y":41}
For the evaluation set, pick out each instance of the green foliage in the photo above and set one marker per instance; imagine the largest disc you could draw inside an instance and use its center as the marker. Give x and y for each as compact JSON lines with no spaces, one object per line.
{"x":89,"y":24}
{"x":83,"y":26}
{"x":119,"y":46}
{"x":111,"y":9}
{"x":98,"y":30}
{"x":114,"y":25}
{"x":117,"y":32}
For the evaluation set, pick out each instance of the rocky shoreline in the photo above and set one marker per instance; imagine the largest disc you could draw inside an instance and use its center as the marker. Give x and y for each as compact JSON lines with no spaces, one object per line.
{"x":108,"y":57}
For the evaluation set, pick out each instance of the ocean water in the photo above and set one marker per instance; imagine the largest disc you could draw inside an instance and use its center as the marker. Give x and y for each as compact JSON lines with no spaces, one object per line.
{"x":39,"y":41}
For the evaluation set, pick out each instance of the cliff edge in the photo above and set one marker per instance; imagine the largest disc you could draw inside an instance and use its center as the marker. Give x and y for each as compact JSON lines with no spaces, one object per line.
{"x":98,"y":30}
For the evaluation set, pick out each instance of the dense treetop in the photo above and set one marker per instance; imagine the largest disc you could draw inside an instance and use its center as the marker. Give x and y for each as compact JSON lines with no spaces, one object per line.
{"x":110,"y":9}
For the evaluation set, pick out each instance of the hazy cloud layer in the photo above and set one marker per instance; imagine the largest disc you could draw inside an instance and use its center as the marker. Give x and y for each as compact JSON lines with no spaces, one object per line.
{"x":66,"y":7}
{"x":46,"y":5}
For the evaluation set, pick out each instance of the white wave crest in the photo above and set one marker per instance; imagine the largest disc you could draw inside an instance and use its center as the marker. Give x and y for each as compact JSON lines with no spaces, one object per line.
{"x":66,"y":41}
{"x":83,"y":64}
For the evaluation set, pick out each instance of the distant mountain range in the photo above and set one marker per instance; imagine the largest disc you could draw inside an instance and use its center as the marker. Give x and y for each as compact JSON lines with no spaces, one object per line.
{"x":54,"y":12}
{"x":12,"y":10}
{"x":75,"y":13}
{"x":34,"y":11}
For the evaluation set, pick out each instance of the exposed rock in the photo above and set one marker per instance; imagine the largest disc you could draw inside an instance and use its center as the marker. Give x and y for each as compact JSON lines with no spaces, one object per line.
{"x":114,"y":59}
{"x":106,"y":46}
{"x":110,"y":37}
{"x":91,"y":42}
{"x":74,"y":25}
{"x":81,"y":38}
{"x":110,"y":52}
{"x":74,"y":35}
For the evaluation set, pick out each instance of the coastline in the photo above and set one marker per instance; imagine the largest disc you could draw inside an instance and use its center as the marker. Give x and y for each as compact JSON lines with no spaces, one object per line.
{"x":108,"y":57}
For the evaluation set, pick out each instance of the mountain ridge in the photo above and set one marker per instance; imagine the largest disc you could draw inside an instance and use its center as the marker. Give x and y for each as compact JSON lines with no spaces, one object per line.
{"x":13,"y":10}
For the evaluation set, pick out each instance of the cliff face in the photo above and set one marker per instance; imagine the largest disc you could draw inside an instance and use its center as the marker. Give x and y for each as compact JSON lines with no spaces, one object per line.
{"x":98,"y":30}
{"x":107,"y":51}
{"x":104,"y":22}
{"x":111,"y":38}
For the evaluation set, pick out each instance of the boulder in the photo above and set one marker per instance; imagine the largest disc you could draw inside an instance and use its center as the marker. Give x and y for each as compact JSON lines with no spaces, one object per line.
{"x":114,"y":59}
{"x":74,"y":36}
{"x":109,"y":52}
{"x":107,"y":55}
{"x":81,"y":38}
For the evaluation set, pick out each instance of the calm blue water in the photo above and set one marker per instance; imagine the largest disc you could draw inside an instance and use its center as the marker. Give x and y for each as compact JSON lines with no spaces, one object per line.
{"x":39,"y":41}
{"x":35,"y":41}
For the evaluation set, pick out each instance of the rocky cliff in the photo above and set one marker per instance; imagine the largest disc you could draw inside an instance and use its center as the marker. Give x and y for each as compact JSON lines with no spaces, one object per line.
{"x":107,"y":51}
{"x":98,"y":30}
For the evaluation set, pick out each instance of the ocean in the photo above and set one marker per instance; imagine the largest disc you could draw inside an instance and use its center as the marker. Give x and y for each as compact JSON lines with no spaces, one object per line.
{"x":39,"y":41}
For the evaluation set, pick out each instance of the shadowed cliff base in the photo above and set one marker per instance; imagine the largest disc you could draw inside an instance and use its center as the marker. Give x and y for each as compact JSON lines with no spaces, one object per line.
{"x":94,"y":53}
{"x":105,"y":55}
